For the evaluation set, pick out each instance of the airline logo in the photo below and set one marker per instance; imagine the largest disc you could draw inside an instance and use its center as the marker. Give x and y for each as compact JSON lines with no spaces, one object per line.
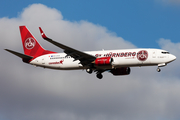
{"x":142,"y":55}
{"x":60,"y":62}
{"x":29,"y":43}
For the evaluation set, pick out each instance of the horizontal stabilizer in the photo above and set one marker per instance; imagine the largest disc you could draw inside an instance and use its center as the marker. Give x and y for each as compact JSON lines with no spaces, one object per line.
{"x":19,"y":54}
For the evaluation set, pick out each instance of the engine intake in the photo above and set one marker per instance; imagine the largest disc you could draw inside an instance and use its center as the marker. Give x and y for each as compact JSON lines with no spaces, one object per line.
{"x":121,"y":71}
{"x":103,"y":61}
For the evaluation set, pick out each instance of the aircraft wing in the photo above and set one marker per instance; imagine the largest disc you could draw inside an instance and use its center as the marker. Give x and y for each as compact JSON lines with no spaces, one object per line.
{"x":84,"y":58}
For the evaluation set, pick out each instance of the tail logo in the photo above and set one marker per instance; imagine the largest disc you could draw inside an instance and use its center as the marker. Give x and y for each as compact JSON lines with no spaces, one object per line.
{"x":29,"y":43}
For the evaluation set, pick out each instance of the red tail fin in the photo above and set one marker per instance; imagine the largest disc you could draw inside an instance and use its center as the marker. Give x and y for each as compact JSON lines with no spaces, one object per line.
{"x":30,"y":45}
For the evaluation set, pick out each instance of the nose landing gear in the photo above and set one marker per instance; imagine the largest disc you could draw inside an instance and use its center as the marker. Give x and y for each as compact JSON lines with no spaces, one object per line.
{"x":161,"y":65}
{"x":158,"y":69}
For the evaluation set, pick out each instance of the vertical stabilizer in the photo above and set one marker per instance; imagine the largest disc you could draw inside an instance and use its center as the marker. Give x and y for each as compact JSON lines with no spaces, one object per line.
{"x":30,"y":44}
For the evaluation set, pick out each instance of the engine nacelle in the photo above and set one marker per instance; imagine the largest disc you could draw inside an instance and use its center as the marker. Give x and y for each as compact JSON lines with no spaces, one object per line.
{"x":121,"y":71}
{"x":103,"y":61}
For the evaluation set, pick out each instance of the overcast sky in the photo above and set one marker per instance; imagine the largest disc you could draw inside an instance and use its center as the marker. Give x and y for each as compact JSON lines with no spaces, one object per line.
{"x":28,"y":92}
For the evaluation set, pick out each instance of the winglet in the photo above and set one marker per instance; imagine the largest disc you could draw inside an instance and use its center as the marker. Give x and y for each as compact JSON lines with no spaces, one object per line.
{"x":42,"y":33}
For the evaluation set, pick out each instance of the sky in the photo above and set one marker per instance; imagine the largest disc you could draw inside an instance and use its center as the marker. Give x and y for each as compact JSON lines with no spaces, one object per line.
{"x":141,"y":22}
{"x":28,"y":92}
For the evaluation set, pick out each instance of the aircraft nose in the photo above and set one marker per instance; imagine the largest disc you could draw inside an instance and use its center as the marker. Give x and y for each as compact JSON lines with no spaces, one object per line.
{"x":173,"y":57}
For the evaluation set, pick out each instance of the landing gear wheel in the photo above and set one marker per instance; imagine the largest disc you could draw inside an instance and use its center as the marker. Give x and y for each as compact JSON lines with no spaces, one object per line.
{"x":89,"y":70}
{"x":100,"y":76}
{"x":158,"y":69}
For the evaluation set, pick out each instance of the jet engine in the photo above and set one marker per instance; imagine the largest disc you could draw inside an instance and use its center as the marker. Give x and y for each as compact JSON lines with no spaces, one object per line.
{"x":121,"y":71}
{"x":103,"y":61}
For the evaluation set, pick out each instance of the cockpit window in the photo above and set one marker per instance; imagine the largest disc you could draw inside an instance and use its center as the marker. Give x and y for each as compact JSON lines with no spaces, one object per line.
{"x":165,"y":52}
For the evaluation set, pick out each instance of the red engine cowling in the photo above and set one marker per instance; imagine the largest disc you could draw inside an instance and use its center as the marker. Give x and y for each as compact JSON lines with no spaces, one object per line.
{"x":103,"y":61}
{"x":121,"y":71}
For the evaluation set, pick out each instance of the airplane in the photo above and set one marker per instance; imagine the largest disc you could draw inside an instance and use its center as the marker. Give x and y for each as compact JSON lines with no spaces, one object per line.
{"x":117,"y":62}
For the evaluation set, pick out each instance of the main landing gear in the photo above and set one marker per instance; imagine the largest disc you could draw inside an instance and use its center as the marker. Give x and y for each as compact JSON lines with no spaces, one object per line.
{"x":89,"y":70}
{"x":98,"y":74}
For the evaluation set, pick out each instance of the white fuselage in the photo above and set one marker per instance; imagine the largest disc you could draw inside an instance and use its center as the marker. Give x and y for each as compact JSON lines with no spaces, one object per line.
{"x":121,"y":58}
